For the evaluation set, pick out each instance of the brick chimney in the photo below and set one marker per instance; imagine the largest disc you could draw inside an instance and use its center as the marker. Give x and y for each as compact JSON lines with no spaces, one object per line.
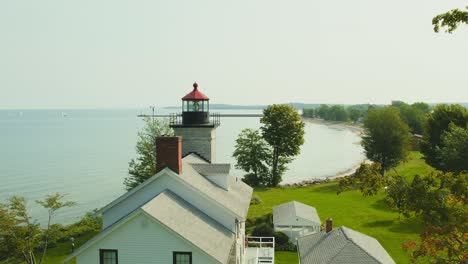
{"x":169,"y":153}
{"x":329,"y":225}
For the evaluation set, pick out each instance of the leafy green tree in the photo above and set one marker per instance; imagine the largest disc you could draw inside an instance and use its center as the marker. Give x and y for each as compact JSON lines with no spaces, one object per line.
{"x":414,"y":117}
{"x":436,"y":125}
{"x":252,"y":154}
{"x":454,"y":151}
{"x":20,"y":233}
{"x":367,"y":179}
{"x":52,"y":203}
{"x":322,"y":111}
{"x":144,"y":166}
{"x":397,"y":195}
{"x":354,"y":114}
{"x":283,"y":129}
{"x":385,"y":137}
{"x":444,"y":212}
{"x":308,"y":112}
{"x":423,"y":107}
{"x":451,"y":20}
{"x":337,"y":113}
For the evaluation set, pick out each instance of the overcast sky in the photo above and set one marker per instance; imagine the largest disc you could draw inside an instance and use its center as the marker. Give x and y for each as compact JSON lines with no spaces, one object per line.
{"x":113,"y":53}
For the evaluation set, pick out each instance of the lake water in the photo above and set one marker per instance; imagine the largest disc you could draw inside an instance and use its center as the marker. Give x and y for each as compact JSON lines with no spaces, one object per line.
{"x":85,"y":153}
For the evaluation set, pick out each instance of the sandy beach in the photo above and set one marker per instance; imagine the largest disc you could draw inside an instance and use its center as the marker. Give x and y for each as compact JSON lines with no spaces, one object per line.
{"x":355,"y":128}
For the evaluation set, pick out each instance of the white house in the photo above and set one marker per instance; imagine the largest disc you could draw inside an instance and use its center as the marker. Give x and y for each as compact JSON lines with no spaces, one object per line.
{"x":296,"y":219}
{"x":191,"y":212}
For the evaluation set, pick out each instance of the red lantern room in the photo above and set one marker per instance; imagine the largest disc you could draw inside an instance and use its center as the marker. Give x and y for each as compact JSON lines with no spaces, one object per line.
{"x":195,"y":108}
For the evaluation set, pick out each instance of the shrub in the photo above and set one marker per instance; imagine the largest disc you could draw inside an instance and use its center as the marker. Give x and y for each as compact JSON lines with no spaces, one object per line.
{"x":263,"y":229}
{"x":280,"y":238}
{"x":255,"y":200}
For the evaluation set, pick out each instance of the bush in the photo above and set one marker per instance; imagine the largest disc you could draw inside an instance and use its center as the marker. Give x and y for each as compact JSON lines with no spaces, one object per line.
{"x":255,"y":200}
{"x":263,"y":229}
{"x":286,"y":247}
{"x":280,"y":238}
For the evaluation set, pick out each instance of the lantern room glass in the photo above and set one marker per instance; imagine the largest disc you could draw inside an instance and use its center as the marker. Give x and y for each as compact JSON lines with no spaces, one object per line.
{"x":195,"y":106}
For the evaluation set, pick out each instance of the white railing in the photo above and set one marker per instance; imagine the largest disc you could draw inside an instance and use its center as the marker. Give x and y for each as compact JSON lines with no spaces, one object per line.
{"x":261,"y":242}
{"x":264,"y":248}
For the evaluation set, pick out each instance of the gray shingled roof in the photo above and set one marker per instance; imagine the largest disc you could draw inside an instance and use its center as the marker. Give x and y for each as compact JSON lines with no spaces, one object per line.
{"x":192,"y":224}
{"x":291,"y":210}
{"x":341,"y":245}
{"x":237,"y":199}
{"x":215,"y":168}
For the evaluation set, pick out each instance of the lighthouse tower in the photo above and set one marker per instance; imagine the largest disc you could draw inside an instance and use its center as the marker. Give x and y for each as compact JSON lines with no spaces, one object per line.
{"x":196,"y":126}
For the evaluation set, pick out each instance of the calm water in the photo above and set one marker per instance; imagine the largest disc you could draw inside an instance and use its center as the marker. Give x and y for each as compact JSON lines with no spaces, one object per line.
{"x":85,"y":153}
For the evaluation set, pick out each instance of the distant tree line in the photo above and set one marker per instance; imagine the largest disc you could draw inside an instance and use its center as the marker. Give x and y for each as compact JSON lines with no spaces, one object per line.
{"x":413,"y":115}
{"x":336,"y":112}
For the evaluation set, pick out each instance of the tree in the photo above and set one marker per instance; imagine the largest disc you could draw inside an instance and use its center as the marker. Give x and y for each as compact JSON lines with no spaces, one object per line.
{"x":385,"y":137}
{"x":423,"y":107}
{"x":451,"y":19}
{"x":322,"y":111}
{"x":367,"y":179}
{"x":338,"y":113}
{"x":454,"y":151}
{"x":445,"y":218}
{"x":144,"y":166}
{"x":397,"y":195}
{"x":20,"y":234}
{"x":283,"y":129}
{"x":414,"y":117}
{"x":436,"y":125}
{"x":52,"y":203}
{"x":252,"y":154}
{"x":354,"y":114}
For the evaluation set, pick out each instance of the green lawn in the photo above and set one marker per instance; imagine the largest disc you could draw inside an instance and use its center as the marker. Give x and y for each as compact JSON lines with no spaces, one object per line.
{"x":282,"y":257}
{"x":369,"y":215}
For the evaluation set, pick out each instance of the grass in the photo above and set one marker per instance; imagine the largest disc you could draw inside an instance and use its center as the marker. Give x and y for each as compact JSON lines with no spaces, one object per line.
{"x":283,"y":257}
{"x":369,"y":215}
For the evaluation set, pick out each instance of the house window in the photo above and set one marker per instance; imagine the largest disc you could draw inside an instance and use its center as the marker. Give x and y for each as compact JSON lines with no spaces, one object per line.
{"x":182,"y":257}
{"x":108,"y":256}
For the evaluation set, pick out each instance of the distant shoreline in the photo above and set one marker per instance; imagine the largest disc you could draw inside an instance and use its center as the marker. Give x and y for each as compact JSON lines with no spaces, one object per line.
{"x":355,"y":128}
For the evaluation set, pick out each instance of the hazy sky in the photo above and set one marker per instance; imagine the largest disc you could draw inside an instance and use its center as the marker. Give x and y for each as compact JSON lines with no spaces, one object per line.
{"x":92,"y":53}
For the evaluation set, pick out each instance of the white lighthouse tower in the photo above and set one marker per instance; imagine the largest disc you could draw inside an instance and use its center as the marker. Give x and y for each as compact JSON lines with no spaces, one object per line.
{"x":196,"y":126}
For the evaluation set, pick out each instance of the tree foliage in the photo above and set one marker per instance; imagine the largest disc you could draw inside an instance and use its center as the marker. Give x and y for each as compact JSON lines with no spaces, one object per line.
{"x":454,"y":150}
{"x":21,"y":234}
{"x":450,"y":20}
{"x":283,"y":129}
{"x":144,"y":166}
{"x":367,"y":179}
{"x":414,"y":115}
{"x":437,"y":125}
{"x":385,"y":139}
{"x":397,"y":192}
{"x":445,"y":216}
{"x":252,"y":154}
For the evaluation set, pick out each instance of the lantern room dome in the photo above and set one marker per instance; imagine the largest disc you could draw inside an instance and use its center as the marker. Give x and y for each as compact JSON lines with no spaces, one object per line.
{"x":195,"y":95}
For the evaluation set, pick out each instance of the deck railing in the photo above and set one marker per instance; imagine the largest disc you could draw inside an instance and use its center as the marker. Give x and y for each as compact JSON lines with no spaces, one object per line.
{"x":264,"y":250}
{"x":260,"y":242}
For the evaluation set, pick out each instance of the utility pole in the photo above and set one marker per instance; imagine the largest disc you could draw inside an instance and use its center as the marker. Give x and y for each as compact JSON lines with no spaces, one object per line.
{"x":152,"y":108}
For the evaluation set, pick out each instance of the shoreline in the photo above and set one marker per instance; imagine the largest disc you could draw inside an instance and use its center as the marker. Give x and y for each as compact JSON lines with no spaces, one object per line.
{"x":357,"y":129}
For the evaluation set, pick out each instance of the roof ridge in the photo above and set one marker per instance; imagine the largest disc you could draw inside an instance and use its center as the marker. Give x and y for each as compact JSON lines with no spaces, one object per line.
{"x":187,"y":202}
{"x":356,"y":244}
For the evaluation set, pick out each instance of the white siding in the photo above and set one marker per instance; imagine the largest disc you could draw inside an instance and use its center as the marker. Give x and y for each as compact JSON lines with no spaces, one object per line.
{"x":162,"y":183}
{"x":144,"y":241}
{"x":296,"y":221}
